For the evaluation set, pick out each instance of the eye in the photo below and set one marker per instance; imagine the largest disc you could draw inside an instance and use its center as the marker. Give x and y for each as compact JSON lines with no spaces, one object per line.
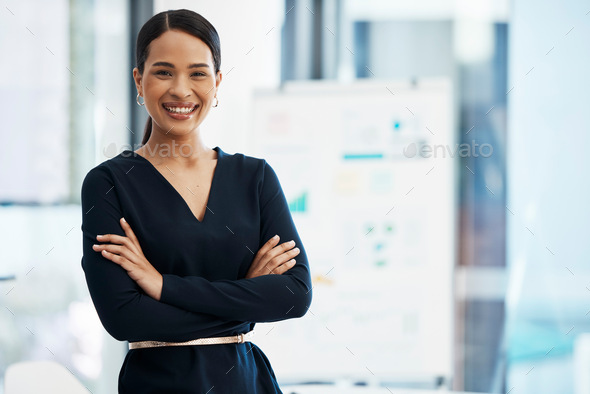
{"x":198,"y":74}
{"x":163,"y":72}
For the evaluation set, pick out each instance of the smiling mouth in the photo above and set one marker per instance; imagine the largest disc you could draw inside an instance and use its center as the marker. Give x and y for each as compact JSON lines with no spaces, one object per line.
{"x":184,"y":109}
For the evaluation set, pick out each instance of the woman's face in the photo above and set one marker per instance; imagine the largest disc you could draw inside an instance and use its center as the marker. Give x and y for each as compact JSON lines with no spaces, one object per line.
{"x":178,"y":83}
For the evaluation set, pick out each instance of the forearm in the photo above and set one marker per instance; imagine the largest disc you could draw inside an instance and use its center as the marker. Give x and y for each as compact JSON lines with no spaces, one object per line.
{"x":261,"y":299}
{"x":265,"y":298}
{"x":124,"y":310}
{"x":128,"y":314}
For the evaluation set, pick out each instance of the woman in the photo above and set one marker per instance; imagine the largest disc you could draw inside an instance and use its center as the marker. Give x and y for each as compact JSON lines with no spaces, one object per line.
{"x":179,"y":248}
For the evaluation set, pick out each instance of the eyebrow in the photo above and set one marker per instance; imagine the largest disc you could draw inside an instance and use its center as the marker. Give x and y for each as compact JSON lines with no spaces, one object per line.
{"x":170,"y":65}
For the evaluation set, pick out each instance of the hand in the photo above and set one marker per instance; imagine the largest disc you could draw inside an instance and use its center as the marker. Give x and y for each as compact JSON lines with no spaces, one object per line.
{"x":272,"y":259}
{"x":127,"y":252}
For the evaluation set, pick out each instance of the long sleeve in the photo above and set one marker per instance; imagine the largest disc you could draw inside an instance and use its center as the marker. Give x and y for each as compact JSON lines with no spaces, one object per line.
{"x":124,"y":310}
{"x":265,"y":298}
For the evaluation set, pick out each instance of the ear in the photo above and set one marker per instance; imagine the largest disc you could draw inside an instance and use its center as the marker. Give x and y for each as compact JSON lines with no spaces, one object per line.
{"x":218,"y":79}
{"x":138,"y":79}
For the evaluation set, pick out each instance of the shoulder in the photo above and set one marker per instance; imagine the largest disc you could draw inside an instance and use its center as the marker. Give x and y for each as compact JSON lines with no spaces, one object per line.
{"x":108,"y":170}
{"x":244,"y":163}
{"x":253,"y":170}
{"x":241,"y":159}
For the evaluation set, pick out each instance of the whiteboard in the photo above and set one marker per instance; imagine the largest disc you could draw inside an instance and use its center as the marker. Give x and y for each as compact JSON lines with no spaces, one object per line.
{"x":376,"y":215}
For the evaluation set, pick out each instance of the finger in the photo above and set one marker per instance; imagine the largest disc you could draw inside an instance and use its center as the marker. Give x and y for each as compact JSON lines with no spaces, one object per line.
{"x":269,"y":269}
{"x":281,"y":259}
{"x":268,"y":245}
{"x":286,"y":246}
{"x":119,"y":260}
{"x":285,"y":267}
{"x":118,"y":250}
{"x":279,"y":251}
{"x":130,"y":234}
{"x":263,"y":257}
{"x":279,"y":266}
{"x":117,"y":240}
{"x":293,"y":252}
{"x":112,"y":238}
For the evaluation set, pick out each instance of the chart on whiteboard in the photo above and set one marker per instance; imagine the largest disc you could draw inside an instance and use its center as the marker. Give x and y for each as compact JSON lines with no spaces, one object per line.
{"x":374,"y":205}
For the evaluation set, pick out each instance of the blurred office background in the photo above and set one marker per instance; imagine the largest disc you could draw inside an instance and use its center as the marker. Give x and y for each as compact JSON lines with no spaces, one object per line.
{"x":433,"y":154}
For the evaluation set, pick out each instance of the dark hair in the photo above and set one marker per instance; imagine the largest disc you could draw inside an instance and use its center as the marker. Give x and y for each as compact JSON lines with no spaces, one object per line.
{"x":184,"y":20}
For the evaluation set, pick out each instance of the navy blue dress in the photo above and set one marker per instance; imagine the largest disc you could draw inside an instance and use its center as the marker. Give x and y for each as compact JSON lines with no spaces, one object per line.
{"x":203,"y":264}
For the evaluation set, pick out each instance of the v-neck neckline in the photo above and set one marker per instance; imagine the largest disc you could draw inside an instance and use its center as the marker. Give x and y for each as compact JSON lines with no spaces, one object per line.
{"x":220,"y":155}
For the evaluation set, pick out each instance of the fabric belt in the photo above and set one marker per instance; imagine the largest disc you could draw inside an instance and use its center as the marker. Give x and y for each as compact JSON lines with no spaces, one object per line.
{"x":240,"y":338}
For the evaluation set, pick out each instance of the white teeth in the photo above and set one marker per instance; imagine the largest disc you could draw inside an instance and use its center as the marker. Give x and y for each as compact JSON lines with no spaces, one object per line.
{"x":180,"y":110}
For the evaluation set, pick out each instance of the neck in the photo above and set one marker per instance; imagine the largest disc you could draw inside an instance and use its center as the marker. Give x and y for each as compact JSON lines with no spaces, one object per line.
{"x":183,"y":150}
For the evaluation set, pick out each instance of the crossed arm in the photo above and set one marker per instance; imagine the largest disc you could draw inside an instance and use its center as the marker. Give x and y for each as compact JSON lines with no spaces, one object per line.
{"x":183,"y":307}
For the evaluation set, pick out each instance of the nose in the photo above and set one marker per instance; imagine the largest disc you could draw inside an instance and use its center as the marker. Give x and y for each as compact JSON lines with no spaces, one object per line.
{"x":180,"y":88}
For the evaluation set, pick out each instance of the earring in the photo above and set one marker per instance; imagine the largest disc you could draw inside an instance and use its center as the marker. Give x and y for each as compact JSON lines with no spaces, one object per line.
{"x":137,"y":100}
{"x":216,"y":102}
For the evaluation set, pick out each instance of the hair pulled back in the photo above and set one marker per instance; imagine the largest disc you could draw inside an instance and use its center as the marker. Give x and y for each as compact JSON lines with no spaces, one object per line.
{"x":183,"y":20}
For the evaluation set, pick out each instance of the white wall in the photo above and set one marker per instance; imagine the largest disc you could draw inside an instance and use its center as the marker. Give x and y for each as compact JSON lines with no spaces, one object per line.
{"x":34,"y":99}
